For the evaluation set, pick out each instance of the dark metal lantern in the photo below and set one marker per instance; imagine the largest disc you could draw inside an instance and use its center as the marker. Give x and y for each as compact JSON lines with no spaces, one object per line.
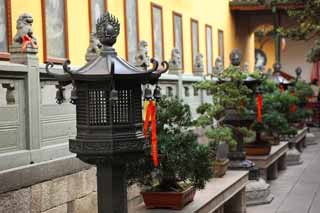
{"x":108,"y":98}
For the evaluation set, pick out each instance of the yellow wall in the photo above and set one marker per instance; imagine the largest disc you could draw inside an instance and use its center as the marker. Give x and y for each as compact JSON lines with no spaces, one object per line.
{"x":215,"y":13}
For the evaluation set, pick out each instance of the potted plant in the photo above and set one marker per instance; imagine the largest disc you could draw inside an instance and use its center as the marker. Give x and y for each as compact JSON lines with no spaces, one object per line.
{"x":254,"y":145}
{"x":184,"y":165}
{"x":298,"y":116}
{"x":220,"y":142}
{"x":277,"y":111}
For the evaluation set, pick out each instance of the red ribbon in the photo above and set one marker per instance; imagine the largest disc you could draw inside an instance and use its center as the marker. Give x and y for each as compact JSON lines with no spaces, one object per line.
{"x":241,"y":103}
{"x":293,"y":107}
{"x":26,"y":40}
{"x":281,"y":87}
{"x":151,"y":113}
{"x":259,"y":108}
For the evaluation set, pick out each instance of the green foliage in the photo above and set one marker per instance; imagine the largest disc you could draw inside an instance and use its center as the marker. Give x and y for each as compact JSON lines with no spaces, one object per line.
{"x":228,"y":93}
{"x":300,"y":115}
{"x":181,"y":158}
{"x":248,"y":135}
{"x":275,"y":110}
{"x":217,"y":135}
{"x":308,"y":26}
{"x":314,"y":53}
{"x":303,"y":91}
{"x":172,"y":113}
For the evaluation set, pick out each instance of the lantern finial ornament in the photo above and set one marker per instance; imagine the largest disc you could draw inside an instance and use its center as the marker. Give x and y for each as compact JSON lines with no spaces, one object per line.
{"x":298,"y":72}
{"x":108,"y":29}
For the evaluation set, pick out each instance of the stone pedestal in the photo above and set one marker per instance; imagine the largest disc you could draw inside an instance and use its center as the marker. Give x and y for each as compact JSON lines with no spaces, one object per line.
{"x":273,"y":171}
{"x":258,"y":192}
{"x":29,"y":58}
{"x":311,"y":139}
{"x":198,"y":72}
{"x":26,"y":57}
{"x":174,"y":70}
{"x":293,"y":157}
{"x":221,"y":195}
{"x":112,"y":188}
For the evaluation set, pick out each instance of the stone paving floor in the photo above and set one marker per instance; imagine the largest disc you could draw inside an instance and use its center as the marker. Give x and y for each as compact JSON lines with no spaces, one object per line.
{"x":297,"y":189}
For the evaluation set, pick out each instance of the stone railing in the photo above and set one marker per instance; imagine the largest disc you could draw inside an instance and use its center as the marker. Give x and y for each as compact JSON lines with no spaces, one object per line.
{"x":34,"y":128}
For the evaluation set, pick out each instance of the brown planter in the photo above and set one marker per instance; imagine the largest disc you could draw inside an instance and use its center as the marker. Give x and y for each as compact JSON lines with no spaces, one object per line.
{"x":172,"y":200}
{"x":298,"y":125}
{"x":255,"y":149}
{"x":273,"y":140}
{"x":220,"y":168}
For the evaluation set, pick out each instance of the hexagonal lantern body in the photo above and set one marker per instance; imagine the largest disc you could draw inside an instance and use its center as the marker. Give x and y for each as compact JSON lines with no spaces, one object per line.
{"x":109,"y":108}
{"x":108,"y":97}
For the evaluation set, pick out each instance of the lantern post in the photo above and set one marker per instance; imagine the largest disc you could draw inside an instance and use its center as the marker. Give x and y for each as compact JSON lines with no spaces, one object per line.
{"x":108,"y":97}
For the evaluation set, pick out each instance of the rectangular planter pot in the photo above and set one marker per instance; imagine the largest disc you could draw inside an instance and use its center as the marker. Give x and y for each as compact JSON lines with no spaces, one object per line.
{"x":172,"y":200}
{"x":220,"y":168}
{"x":257,"y":149}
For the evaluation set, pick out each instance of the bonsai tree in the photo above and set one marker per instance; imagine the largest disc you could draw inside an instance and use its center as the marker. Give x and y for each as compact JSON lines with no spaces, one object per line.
{"x":303,"y":91}
{"x":182,"y":161}
{"x":229,"y":93}
{"x":275,"y":111}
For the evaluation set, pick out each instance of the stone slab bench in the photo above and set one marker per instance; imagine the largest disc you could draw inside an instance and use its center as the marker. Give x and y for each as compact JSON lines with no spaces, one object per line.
{"x":269,"y":165}
{"x":221,"y":195}
{"x":299,"y":141}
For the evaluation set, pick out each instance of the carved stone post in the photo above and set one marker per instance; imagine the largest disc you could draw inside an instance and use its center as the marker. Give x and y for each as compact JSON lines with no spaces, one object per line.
{"x":142,"y":59}
{"x":24,"y":51}
{"x":175,"y":67}
{"x":93,"y":50}
{"x":198,"y":66}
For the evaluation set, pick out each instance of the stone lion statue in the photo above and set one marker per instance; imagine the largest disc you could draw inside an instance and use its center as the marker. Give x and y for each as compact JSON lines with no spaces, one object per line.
{"x":198,"y":62}
{"x":175,"y":61}
{"x":142,"y":59}
{"x":218,"y":65}
{"x":24,"y":27}
{"x":94,"y":48}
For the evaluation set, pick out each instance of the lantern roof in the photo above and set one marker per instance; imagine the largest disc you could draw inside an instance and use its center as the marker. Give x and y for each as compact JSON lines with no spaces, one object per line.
{"x":108,"y":64}
{"x":279,"y":79}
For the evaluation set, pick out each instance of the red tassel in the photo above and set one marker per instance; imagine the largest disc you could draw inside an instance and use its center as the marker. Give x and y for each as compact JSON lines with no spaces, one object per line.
{"x":281,"y":87}
{"x":151,"y":112}
{"x":26,"y":40}
{"x":293,"y":107}
{"x":259,"y":108}
{"x":241,"y":103}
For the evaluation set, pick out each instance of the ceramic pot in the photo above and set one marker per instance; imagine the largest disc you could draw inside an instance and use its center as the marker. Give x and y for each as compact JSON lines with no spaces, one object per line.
{"x":257,"y":149}
{"x":172,"y":200}
{"x":220,"y":168}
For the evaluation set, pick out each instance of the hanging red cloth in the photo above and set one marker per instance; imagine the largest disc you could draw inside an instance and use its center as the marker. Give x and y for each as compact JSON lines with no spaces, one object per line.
{"x":151,"y":113}
{"x":281,"y":87}
{"x":259,"y":108}
{"x":315,"y":72}
{"x":293,"y":107}
{"x":26,"y":40}
{"x":241,"y":103}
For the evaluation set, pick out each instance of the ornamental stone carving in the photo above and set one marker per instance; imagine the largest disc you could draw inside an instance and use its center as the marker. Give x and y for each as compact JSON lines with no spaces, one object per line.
{"x":218,"y":65}
{"x":108,"y":29}
{"x":198,"y":66}
{"x":93,"y":50}
{"x":175,"y":62}
{"x":24,"y":28}
{"x":142,"y":58}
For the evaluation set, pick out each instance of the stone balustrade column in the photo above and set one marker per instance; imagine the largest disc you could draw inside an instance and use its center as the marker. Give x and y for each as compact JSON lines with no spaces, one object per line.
{"x":29,"y":58}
